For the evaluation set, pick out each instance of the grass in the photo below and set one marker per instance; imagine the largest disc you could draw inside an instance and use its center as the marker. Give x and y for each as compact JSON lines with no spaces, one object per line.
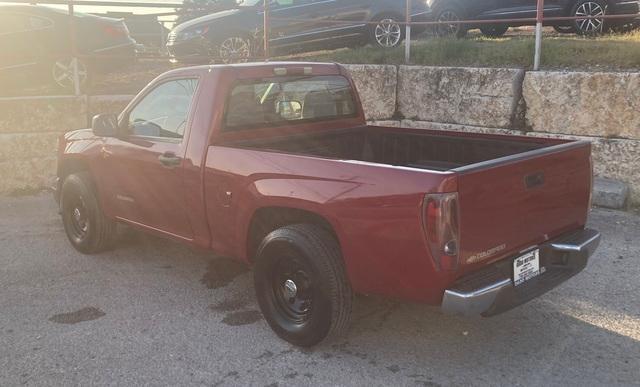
{"x":608,"y":52}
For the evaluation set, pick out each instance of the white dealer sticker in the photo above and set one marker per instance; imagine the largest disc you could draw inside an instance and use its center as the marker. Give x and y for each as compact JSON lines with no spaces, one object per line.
{"x":526,"y":266}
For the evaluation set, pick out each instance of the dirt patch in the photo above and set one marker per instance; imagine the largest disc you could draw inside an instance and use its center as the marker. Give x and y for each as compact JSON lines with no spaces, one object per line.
{"x":242,"y":318}
{"x":84,"y":314}
{"x":221,"y":272}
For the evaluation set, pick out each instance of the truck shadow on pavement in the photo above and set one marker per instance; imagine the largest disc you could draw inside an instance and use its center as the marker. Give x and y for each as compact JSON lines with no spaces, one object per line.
{"x":399,"y":338}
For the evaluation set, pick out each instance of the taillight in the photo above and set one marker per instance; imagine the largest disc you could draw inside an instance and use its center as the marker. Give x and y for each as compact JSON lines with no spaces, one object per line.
{"x":116,"y":30}
{"x":440,"y":222}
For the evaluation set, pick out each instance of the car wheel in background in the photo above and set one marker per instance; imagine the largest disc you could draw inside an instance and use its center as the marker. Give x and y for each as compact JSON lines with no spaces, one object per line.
{"x":563,"y":29}
{"x":62,"y":73}
{"x":86,"y":226}
{"x":453,"y":28}
{"x":494,"y":31}
{"x":388,"y":33}
{"x":301,"y":284}
{"x":235,"y":49}
{"x":589,"y":8}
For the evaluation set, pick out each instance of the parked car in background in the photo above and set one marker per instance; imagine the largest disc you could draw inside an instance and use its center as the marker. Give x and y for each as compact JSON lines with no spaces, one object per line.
{"x":456,"y":10}
{"x":237,"y":33}
{"x":36,"y":46}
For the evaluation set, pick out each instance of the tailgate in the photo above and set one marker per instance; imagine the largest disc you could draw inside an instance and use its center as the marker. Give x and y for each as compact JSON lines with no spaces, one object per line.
{"x":510,"y":204}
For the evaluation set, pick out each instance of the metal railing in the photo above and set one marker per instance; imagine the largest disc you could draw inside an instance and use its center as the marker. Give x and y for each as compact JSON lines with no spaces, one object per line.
{"x":265,"y":8}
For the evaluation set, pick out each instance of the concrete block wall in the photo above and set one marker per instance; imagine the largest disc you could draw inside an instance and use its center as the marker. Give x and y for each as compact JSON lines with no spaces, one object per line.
{"x":599,"y":107}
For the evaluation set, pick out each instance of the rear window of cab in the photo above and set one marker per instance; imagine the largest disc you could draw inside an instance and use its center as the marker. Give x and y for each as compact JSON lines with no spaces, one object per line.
{"x":286,"y":100}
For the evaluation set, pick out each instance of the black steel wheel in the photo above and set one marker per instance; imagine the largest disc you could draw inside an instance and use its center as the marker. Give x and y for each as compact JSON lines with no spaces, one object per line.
{"x":88,"y":230}
{"x":301,"y":285}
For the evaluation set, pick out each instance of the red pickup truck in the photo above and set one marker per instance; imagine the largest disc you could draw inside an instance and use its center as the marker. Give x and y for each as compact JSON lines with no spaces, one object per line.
{"x":274,"y":164}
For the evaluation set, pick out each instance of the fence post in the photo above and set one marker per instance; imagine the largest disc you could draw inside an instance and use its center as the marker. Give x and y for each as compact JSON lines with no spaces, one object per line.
{"x":265,"y":27}
{"x":538,"y":49}
{"x":74,"y":49}
{"x":407,"y":35}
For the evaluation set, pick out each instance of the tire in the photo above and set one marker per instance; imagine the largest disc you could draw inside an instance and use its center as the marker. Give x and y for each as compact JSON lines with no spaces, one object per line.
{"x":62,"y":74}
{"x":452,"y":14}
{"x":564,"y":29}
{"x":235,"y":49}
{"x":494,"y":31}
{"x":388,"y":33}
{"x":589,"y":8}
{"x":86,"y":226}
{"x":301,"y":285}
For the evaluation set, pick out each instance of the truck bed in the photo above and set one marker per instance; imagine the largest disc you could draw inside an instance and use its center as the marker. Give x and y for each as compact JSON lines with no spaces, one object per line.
{"x":421,"y":149}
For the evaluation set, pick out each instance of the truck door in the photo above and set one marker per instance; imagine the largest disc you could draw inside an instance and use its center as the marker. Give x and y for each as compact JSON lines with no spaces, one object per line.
{"x":141,"y":172}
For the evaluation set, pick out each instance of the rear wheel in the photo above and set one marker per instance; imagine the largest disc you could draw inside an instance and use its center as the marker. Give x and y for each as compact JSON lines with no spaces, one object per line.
{"x":494,"y":31}
{"x":450,"y":17}
{"x":590,"y":8}
{"x":301,"y":285}
{"x":86,"y":226}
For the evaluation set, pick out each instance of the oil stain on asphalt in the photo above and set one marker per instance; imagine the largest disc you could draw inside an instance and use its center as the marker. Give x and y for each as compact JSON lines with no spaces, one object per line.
{"x":242,"y":318}
{"x":221,"y":272}
{"x":84,"y":314}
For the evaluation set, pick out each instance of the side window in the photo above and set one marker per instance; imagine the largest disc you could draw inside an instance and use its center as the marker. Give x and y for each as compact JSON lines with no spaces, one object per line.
{"x":164,"y":111}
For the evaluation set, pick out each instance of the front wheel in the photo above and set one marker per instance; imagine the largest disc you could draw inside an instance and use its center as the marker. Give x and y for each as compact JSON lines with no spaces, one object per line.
{"x":62,"y":73}
{"x":86,"y":226}
{"x":301,"y":284}
{"x":387,"y":33}
{"x":235,"y":49}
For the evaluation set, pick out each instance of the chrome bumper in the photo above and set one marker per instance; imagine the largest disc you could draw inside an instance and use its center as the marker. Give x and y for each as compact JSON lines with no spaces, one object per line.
{"x":490,"y":291}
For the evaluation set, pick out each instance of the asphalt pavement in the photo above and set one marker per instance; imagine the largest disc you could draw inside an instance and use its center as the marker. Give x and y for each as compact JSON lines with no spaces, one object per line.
{"x":153,"y":312}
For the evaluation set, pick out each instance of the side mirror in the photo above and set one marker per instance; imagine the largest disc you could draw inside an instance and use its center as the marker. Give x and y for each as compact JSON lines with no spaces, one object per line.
{"x":105,"y":125}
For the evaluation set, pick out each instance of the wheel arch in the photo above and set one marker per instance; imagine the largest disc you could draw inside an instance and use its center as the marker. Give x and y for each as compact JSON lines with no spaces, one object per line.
{"x":70,"y":165}
{"x":267,"y":219}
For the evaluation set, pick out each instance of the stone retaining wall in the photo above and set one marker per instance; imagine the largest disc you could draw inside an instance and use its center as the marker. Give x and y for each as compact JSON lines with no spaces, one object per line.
{"x":600,"y":107}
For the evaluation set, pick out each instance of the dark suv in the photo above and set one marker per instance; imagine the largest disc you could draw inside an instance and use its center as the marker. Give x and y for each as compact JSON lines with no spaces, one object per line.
{"x":237,"y":33}
{"x":456,"y":10}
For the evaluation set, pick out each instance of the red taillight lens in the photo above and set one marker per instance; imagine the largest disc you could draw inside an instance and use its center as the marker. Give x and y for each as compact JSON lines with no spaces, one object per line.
{"x":116,"y":30}
{"x":441,"y":229}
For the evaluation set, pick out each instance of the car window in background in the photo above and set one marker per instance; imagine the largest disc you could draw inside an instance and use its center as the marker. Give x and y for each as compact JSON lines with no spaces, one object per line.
{"x":279,"y":101}
{"x":164,"y":111}
{"x":38,"y":23}
{"x":10,"y":23}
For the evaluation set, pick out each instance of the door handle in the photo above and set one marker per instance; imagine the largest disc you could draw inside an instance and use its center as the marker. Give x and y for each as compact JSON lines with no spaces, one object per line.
{"x":169,"y":159}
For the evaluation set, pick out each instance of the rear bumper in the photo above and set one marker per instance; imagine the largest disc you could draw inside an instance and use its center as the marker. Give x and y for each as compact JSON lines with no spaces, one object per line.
{"x":491,"y":291}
